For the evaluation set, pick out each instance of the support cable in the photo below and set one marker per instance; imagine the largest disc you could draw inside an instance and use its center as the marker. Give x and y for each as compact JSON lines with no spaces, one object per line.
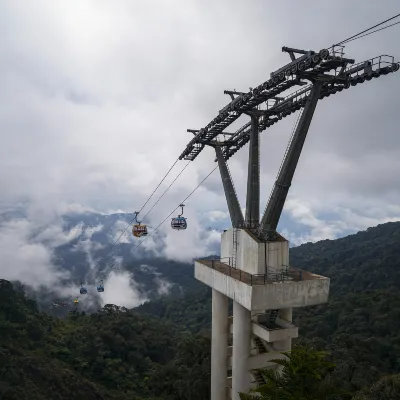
{"x":166,"y":190}
{"x":357,"y":36}
{"x":369,"y":33}
{"x":134,"y":219}
{"x":162,"y":222}
{"x":107,"y":256}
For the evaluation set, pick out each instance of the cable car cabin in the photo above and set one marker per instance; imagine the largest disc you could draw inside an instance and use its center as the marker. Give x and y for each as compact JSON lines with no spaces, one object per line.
{"x":76,"y":301}
{"x":178,"y":223}
{"x":100,"y":288}
{"x":82,"y":290}
{"x":139,"y":230}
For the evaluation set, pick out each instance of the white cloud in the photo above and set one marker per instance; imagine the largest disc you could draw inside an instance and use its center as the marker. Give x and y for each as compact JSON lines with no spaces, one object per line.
{"x":217,"y":215}
{"x":24,"y":258}
{"x":344,"y":220}
{"x":164,"y":286}
{"x":121,"y":289}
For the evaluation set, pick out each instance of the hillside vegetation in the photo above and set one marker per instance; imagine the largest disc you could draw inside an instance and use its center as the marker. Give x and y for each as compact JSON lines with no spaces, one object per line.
{"x":112,"y":354}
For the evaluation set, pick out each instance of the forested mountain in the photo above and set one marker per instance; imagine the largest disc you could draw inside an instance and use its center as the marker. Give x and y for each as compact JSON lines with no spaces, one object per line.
{"x":161,"y":350}
{"x":113,"y":354}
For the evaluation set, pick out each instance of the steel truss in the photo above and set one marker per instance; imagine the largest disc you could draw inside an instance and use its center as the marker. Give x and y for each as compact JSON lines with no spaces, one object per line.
{"x":328,"y":72}
{"x":309,"y":67}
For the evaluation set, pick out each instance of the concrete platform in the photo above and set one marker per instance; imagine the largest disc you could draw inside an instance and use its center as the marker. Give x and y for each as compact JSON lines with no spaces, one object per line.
{"x":264,"y":292}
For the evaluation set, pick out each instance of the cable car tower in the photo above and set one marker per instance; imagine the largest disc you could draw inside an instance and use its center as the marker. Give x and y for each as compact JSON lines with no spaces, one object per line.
{"x":254,"y":266}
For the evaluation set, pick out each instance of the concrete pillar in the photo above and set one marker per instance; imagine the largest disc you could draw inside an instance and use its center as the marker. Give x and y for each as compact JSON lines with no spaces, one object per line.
{"x":219,"y":346}
{"x":286,"y":345}
{"x":241,"y":350}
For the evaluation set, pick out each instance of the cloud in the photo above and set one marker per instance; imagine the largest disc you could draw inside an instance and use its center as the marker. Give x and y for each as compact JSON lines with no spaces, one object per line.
{"x":340,"y":221}
{"x":97,"y":96}
{"x":217,"y":215}
{"x":121,"y":289}
{"x":25,"y":258}
{"x":164,"y":286}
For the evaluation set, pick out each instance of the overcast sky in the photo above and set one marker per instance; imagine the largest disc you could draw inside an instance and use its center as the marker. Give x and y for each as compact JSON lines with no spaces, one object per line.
{"x":96,"y":97}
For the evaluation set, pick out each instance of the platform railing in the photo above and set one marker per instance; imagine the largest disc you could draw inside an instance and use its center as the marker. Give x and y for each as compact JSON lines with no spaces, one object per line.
{"x":224,"y":264}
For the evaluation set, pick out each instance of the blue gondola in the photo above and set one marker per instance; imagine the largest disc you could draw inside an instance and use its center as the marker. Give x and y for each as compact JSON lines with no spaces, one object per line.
{"x":83,"y":290}
{"x":100,"y":287}
{"x":179,"y":223}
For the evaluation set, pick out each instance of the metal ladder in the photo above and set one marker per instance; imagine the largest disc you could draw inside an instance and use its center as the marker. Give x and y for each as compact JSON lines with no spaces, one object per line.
{"x":259,"y":379}
{"x":259,"y":345}
{"x":235,"y":245}
{"x":273,"y":314}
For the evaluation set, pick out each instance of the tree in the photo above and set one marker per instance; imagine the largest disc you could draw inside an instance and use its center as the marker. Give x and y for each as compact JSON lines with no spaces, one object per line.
{"x":305,"y":376}
{"x":387,"y":388}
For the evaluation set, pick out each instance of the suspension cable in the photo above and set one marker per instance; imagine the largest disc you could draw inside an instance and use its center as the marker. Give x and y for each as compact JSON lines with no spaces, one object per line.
{"x":166,"y":190}
{"x":108,"y":255}
{"x":354,"y":37}
{"x":370,"y":33}
{"x":163,"y":221}
{"x":135,"y":217}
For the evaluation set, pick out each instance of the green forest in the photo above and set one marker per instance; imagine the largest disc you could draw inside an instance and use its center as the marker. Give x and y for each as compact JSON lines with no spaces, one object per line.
{"x":348,"y":348}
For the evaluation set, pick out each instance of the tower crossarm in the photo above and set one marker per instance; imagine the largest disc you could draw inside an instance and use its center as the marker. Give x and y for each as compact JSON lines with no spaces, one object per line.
{"x":335,"y":83}
{"x":280,"y":81}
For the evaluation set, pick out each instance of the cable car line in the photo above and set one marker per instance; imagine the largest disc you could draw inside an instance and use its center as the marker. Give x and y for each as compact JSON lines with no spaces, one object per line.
{"x":354,"y":37}
{"x":377,"y":30}
{"x":134,"y":219}
{"x":162,"y":222}
{"x":166,"y":190}
{"x":158,"y":226}
{"x":106,"y":257}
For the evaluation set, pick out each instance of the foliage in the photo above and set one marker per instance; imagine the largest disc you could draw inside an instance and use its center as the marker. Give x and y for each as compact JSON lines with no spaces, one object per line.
{"x":113,"y":354}
{"x":387,"y":388}
{"x":303,"y":377}
{"x":192,"y":311}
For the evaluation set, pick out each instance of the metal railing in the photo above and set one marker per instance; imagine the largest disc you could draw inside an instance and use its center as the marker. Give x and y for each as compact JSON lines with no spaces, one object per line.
{"x":224,"y":266}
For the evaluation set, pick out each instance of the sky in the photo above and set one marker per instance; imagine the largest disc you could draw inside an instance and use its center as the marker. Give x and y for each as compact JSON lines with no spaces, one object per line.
{"x":97,"y":96}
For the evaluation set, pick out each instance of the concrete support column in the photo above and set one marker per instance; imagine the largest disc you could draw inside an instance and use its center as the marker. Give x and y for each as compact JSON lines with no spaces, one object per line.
{"x":219,"y":346}
{"x":241,"y":350}
{"x":286,"y":345}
